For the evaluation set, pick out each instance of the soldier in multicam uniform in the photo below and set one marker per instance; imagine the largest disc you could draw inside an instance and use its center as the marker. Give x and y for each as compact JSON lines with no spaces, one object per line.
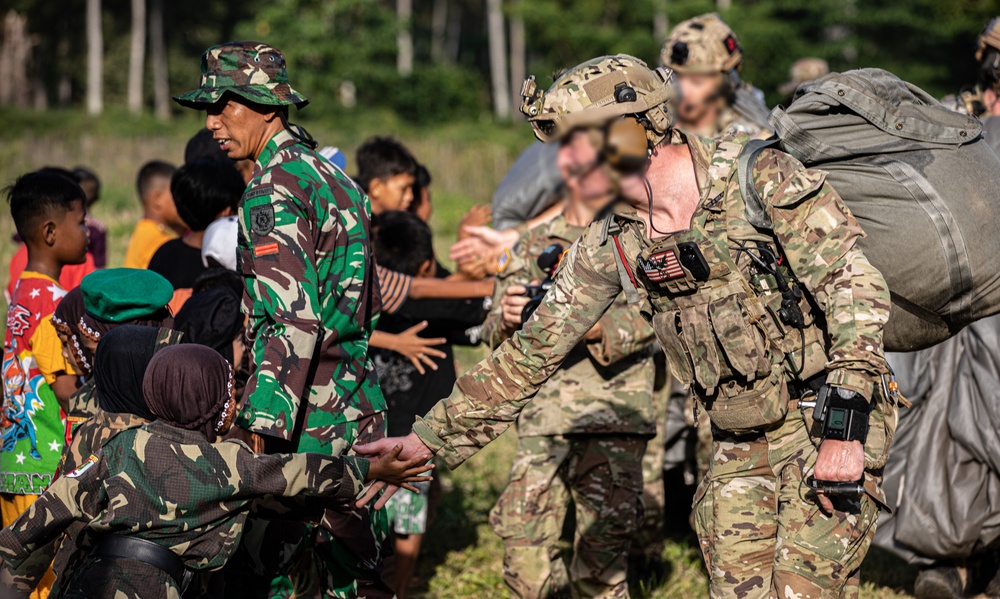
{"x":802,"y":71}
{"x":751,"y":319}
{"x":983,"y":99}
{"x":583,"y":441}
{"x":706,"y":56}
{"x":312,"y":298}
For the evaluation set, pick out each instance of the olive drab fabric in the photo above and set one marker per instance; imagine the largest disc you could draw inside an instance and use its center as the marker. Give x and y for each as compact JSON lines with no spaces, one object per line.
{"x":721,"y":339}
{"x":593,"y":93}
{"x":252,"y":70}
{"x":921,"y":181}
{"x":122,"y":487}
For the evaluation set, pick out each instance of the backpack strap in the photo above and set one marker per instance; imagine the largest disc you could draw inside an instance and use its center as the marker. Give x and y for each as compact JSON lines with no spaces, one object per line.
{"x":611,"y":228}
{"x":756,"y":211}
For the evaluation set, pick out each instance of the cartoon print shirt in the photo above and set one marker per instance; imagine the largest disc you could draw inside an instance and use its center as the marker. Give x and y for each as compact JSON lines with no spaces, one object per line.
{"x":31,"y":422}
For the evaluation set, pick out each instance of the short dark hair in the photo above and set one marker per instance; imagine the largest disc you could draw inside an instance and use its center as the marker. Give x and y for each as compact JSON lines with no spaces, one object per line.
{"x":150,"y":172}
{"x":89,"y":183}
{"x":383,"y":158}
{"x":422,"y":180}
{"x":204,"y":188}
{"x":989,"y":73}
{"x":403,"y":242}
{"x":203,"y":145}
{"x":39,"y":195}
{"x":219,"y":277}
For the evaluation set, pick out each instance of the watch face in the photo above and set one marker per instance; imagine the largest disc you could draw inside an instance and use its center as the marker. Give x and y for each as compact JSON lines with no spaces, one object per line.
{"x":837,"y":419}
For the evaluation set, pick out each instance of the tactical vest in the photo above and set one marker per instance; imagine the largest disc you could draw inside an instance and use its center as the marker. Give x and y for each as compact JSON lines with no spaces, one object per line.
{"x":717,"y":316}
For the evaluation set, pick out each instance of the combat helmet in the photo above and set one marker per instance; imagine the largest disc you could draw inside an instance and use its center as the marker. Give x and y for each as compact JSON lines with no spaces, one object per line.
{"x":989,"y":38}
{"x":703,"y":44}
{"x":600,"y":92}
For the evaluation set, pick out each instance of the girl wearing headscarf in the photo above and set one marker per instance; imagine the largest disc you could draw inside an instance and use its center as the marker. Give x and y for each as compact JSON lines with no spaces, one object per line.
{"x":166,"y":499}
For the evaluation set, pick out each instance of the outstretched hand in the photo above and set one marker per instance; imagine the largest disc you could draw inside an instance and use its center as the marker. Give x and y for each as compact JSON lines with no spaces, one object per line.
{"x":483,"y":243}
{"x":419,"y":350}
{"x":391,"y":469}
{"x":410,"y":448}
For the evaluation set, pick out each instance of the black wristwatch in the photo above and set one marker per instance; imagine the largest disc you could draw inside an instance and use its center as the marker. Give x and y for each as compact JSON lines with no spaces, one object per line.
{"x":844,"y":414}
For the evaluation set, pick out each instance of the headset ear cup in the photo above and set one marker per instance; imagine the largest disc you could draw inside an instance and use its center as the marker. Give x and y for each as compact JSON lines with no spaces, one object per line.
{"x":626,"y":146}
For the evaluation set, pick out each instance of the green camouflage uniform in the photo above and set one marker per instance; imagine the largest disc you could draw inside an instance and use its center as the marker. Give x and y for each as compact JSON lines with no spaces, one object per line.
{"x":137,"y":485}
{"x":582,"y":441}
{"x":761,"y":533}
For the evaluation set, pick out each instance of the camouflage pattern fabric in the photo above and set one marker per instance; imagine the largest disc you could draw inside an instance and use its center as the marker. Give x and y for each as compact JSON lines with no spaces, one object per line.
{"x":601,"y":476}
{"x":170,"y":486}
{"x":763,"y":535}
{"x":603,"y":387}
{"x":313,"y":301}
{"x":702,"y":44}
{"x":252,"y":70}
{"x":650,"y":537}
{"x":604,"y":391}
{"x":730,"y":362}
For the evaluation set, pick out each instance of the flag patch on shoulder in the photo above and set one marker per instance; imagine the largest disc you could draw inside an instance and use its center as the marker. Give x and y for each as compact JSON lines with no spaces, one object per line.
{"x":87,"y":465}
{"x":503,"y":260}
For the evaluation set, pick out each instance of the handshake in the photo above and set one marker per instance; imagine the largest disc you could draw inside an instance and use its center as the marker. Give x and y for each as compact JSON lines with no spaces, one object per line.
{"x":395,"y":463}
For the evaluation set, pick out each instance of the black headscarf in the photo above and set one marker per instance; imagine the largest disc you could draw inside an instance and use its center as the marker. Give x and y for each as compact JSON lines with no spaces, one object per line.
{"x":66,"y":318}
{"x":120,"y":365}
{"x":212,"y":318}
{"x":190,"y":387}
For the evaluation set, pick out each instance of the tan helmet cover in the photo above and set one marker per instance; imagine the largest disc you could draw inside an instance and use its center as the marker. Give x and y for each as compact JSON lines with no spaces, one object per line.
{"x":701,"y":45}
{"x":989,"y":38}
{"x":597,"y":92}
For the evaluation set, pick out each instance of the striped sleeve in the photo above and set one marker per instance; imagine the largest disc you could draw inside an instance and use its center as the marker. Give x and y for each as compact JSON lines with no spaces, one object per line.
{"x":395,"y":287}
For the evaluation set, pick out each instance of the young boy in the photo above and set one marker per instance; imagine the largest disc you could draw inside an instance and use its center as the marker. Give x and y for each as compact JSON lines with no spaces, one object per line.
{"x":160,"y":222}
{"x":48,"y":211}
{"x":403,"y":243}
{"x":386,"y":171}
{"x":204,"y":191}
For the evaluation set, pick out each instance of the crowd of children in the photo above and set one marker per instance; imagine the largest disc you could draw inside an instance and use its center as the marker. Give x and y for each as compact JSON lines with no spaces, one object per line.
{"x":134,"y":373}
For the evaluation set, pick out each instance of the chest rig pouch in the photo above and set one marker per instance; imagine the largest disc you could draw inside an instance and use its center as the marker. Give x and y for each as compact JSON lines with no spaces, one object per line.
{"x":719,"y":326}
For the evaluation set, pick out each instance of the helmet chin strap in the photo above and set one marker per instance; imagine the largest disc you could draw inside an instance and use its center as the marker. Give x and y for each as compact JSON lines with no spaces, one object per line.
{"x":649,"y":198}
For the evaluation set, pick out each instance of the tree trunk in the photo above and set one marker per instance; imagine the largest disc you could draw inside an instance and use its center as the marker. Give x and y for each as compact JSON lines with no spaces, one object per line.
{"x":137,"y":56}
{"x":454,"y":33}
{"x":439,"y":30}
{"x":15,"y":89}
{"x":661,"y":22}
{"x":404,"y":37}
{"x":498,"y":59}
{"x":95,"y":58}
{"x":518,"y":67}
{"x":158,"y":56}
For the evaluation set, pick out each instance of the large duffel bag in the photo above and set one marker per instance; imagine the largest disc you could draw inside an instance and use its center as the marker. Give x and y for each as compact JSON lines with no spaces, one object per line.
{"x":922,"y":182}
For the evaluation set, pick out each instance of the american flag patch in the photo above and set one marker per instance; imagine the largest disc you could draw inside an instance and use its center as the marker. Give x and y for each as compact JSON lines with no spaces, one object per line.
{"x":662,"y":266}
{"x":503,"y":260}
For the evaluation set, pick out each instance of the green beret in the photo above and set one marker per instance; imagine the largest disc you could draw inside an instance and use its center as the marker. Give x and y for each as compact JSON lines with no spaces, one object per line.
{"x":125,"y":294}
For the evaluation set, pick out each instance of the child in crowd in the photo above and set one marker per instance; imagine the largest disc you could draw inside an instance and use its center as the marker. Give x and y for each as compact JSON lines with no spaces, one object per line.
{"x":98,"y":244}
{"x":386,"y":171}
{"x":49,"y":213}
{"x":160,"y":222}
{"x":209,"y":486}
{"x":203,"y":145}
{"x":403,"y":242}
{"x":71,"y":275}
{"x":204,"y":190}
{"x":105,"y":300}
{"x":218,"y":248}
{"x":213,"y":318}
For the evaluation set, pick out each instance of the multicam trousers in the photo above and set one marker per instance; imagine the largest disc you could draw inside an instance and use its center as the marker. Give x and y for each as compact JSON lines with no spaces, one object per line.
{"x":602,"y":475}
{"x":762,"y":533}
{"x":342,"y":556}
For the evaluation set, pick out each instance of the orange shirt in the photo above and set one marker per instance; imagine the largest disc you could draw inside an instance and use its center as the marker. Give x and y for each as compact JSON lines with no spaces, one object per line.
{"x":147,"y":237}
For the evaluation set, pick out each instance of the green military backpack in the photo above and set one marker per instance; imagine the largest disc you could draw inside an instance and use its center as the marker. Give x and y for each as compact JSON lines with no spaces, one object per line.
{"x":922,"y":182}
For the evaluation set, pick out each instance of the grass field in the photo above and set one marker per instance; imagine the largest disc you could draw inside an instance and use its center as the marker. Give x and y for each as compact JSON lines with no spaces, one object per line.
{"x":462,"y":556}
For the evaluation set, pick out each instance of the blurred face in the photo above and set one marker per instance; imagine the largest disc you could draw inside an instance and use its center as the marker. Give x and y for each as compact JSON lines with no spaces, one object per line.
{"x":70,"y":236}
{"x":395,"y":193}
{"x":424,"y":208}
{"x":577,"y":163}
{"x":241,"y":130}
{"x":699,"y":96}
{"x":166,"y":209}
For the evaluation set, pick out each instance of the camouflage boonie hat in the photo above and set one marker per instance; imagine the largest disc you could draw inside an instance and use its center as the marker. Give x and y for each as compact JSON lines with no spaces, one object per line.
{"x":804,"y":70}
{"x":702,"y":45}
{"x":989,"y":38}
{"x":596,"y":92}
{"x":251,"y":70}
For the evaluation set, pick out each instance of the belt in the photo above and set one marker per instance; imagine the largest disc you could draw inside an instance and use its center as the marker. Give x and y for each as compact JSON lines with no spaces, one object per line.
{"x":148,"y":552}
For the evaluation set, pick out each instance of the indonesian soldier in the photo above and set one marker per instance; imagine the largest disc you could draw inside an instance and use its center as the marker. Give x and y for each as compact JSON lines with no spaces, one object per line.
{"x":582,"y":443}
{"x":753,"y":320}
{"x":312,"y":301}
{"x":706,"y":57}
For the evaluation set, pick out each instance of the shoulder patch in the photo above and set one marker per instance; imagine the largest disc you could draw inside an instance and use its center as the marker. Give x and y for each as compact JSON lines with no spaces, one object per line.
{"x":262,"y":219}
{"x":87,"y":465}
{"x":503,"y":260}
{"x":263,"y":190}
